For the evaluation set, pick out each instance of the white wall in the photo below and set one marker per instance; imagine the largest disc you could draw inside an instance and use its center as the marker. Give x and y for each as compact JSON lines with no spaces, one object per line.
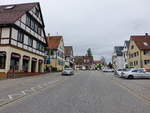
{"x":5,"y":32}
{"x":14,"y":33}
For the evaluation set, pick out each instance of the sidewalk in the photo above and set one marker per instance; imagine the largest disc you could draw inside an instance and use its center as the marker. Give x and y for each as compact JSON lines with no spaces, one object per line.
{"x":11,"y":88}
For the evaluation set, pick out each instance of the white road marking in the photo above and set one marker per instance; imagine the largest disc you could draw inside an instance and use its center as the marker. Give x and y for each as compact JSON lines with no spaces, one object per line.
{"x":25,"y":92}
{"x":39,"y":86}
{"x":14,"y":95}
{"x":33,"y":88}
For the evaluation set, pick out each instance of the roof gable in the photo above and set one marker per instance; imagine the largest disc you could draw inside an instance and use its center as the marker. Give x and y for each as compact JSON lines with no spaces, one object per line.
{"x":54,"y":41}
{"x":68,"y":51}
{"x":142,"y":42}
{"x":11,"y":15}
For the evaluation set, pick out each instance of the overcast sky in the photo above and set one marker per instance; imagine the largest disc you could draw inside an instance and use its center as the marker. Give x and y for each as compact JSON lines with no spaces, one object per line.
{"x":95,"y":24}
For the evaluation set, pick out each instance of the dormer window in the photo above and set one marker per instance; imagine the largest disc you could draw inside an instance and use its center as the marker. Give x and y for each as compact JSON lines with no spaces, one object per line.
{"x":9,"y":7}
{"x":145,"y":43}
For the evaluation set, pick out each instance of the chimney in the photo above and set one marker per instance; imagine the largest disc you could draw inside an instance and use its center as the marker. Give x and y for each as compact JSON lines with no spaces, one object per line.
{"x":146,"y":34}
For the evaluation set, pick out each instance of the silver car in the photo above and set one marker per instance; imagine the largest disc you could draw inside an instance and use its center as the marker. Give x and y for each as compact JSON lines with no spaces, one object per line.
{"x":68,"y":71}
{"x":136,"y":73}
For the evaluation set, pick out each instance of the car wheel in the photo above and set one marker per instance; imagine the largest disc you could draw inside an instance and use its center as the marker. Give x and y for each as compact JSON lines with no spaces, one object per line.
{"x":130,"y":77}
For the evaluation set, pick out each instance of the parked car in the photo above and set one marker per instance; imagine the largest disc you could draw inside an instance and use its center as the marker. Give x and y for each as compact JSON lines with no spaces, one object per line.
{"x":108,"y":70}
{"x":136,"y":73}
{"x":120,"y":71}
{"x":68,"y":71}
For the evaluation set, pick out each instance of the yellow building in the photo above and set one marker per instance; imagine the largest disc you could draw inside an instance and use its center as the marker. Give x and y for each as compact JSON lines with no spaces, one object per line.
{"x":139,"y":52}
{"x":55,"y":53}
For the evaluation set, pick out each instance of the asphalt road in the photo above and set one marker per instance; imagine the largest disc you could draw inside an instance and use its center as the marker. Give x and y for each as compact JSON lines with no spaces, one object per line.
{"x":85,"y":92}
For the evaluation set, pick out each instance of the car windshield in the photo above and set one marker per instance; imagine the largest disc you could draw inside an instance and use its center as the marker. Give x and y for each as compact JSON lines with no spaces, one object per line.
{"x":68,"y":69}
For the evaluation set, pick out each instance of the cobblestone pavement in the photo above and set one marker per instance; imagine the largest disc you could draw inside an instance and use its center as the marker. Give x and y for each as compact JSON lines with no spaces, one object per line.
{"x":85,"y":92}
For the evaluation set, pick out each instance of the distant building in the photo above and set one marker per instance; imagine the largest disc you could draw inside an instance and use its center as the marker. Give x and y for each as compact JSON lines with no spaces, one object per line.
{"x":84,"y":62}
{"x":139,"y":51}
{"x":22,"y":38}
{"x":55,"y":53}
{"x":117,"y":57}
{"x":69,"y":58}
{"x":97,"y":64}
{"x":125,"y":53}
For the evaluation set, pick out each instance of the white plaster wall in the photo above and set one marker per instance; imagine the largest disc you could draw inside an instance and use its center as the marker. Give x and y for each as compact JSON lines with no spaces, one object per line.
{"x":5,"y":32}
{"x":23,"y":18}
{"x":6,"y":41}
{"x":34,"y":43}
{"x":119,"y":62}
{"x":14,"y":33}
{"x":25,"y":39}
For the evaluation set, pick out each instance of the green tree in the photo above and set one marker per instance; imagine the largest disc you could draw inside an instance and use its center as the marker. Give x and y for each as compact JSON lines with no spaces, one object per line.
{"x":89,"y":52}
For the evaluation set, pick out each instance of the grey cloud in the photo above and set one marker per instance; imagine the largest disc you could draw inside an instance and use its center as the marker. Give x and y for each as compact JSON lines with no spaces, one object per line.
{"x":98,"y":24}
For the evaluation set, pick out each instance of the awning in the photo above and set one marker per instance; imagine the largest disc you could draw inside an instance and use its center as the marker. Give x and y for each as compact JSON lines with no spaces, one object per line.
{"x":34,"y":59}
{"x":26,"y":57}
{"x":15,"y":55}
{"x":2,"y":53}
{"x":41,"y":61}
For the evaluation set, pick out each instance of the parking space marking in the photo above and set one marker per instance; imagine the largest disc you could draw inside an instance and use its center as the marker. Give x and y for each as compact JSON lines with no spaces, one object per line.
{"x":25,"y":93}
{"x":134,"y":92}
{"x":12,"y":96}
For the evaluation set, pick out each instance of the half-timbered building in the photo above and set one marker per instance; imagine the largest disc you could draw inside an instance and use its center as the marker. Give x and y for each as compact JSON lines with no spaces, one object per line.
{"x":22,"y":38}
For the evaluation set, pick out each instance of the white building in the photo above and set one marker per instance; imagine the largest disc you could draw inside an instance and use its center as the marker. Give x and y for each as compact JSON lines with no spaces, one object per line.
{"x":22,"y":38}
{"x":117,"y":57}
{"x":69,"y":58}
{"x":125,"y":53}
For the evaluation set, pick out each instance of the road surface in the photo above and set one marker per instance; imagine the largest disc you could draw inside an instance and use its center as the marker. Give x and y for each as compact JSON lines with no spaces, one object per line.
{"x":85,"y":92}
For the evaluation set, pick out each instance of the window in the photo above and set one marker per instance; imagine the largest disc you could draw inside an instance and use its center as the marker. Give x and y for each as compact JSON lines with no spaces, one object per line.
{"x":30,"y":42}
{"x":32,"y":25}
{"x":38,"y":45}
{"x":37,"y":12}
{"x":135,"y":63}
{"x":132,"y":47}
{"x":146,"y":52}
{"x":137,"y":53}
{"x":2,"y":60}
{"x":135,"y":71}
{"x":28,"y":21}
{"x":39,"y":31}
{"x":20,"y":36}
{"x":146,"y":62}
{"x":36,"y":28}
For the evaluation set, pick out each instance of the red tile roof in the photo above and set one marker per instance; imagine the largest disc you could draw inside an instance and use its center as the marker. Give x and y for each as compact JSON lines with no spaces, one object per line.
{"x":53,"y":41}
{"x":68,"y":51}
{"x":142,"y":42}
{"x":97,"y":62}
{"x":9,"y":16}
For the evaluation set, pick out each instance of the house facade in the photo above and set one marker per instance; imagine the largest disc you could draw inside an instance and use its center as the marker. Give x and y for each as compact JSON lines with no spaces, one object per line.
{"x":84,"y":62}
{"x":22,"y":38}
{"x":125,"y":53}
{"x":55,"y":53}
{"x":69,"y":58}
{"x":139,"y":52}
{"x":118,"y":58}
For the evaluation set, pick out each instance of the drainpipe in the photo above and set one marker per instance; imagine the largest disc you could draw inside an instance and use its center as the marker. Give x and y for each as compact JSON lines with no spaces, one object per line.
{"x":141,"y":62}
